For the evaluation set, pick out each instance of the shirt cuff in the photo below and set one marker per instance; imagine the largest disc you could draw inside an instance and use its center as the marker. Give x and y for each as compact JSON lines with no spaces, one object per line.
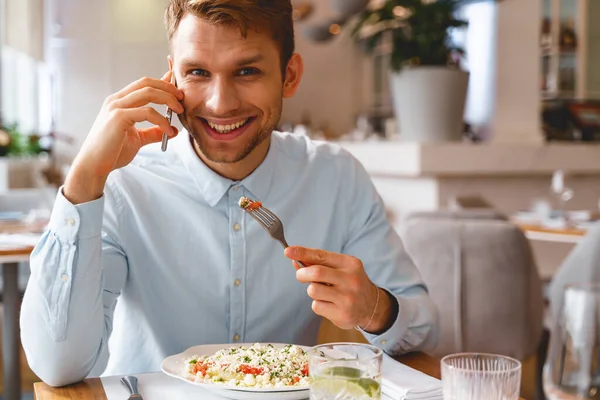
{"x":71,"y":222}
{"x":388,"y":340}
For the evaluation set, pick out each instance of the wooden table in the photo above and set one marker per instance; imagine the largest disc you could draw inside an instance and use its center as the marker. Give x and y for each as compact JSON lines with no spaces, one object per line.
{"x":93,"y":389}
{"x":557,"y":235}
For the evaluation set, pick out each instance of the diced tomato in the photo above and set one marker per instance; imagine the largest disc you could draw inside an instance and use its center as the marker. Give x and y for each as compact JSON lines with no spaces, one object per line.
{"x":200,"y":367}
{"x":305,"y":370}
{"x":247,"y":369}
{"x":255,"y":205}
{"x":296,"y":379}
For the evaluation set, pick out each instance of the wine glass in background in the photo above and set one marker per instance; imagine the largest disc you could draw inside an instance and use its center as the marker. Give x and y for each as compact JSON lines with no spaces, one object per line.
{"x":572,"y":369}
{"x":561,"y":194}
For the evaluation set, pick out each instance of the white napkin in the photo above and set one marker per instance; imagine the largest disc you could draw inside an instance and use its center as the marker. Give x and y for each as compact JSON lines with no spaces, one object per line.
{"x":400,"y":382}
{"x":156,"y":386}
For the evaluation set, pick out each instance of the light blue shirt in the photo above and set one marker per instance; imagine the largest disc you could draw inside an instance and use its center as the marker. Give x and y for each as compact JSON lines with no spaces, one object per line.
{"x":166,"y":259}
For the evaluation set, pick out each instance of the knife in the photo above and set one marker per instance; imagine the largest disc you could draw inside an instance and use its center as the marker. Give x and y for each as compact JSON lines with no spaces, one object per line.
{"x":131,"y":383}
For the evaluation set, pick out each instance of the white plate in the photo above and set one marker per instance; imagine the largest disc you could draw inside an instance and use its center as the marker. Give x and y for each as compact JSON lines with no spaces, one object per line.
{"x":175,"y":366}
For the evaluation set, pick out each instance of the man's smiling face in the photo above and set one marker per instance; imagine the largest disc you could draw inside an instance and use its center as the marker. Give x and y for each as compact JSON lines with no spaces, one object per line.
{"x":233,"y":86}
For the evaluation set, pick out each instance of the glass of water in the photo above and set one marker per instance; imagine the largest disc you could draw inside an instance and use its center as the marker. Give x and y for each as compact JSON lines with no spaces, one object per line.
{"x":572,"y":369}
{"x":345,"y":371}
{"x":475,"y":376}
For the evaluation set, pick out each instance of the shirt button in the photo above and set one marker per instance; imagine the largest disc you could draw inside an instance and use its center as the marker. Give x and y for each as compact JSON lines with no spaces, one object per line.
{"x":236,"y":227}
{"x":237,"y":282}
{"x":384,"y":342}
{"x":71,"y":221}
{"x":64,"y":277}
{"x":236,"y":337}
{"x":236,"y":188}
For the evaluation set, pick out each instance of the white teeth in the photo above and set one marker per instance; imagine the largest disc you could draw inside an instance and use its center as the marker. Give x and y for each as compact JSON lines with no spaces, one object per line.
{"x":226,"y":128}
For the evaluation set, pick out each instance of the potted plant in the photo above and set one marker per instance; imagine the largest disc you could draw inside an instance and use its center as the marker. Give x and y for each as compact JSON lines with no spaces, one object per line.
{"x":428,"y":87}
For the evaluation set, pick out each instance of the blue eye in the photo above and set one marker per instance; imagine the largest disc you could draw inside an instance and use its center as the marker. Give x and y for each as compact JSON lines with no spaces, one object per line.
{"x":248,"y":71}
{"x":199,"y":72}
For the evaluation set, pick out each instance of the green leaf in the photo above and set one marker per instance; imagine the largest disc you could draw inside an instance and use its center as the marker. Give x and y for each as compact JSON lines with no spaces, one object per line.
{"x":425,"y":38}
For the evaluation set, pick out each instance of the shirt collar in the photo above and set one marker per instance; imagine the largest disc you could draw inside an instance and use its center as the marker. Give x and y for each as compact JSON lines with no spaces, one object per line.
{"x":213,"y":186}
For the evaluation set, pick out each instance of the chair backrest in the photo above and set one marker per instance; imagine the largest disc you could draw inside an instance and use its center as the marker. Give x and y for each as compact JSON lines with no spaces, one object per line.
{"x":478,"y":213}
{"x":482,"y":276}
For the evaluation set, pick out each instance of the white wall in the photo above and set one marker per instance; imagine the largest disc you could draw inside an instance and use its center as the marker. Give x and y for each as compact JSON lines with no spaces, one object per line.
{"x":333,"y":88}
{"x":21,"y":68}
{"x":23,"y":28}
{"x":94,"y":50}
{"x":517,"y":95}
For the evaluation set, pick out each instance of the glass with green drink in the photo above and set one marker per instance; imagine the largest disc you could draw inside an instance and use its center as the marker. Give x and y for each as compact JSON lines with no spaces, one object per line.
{"x":345,"y":371}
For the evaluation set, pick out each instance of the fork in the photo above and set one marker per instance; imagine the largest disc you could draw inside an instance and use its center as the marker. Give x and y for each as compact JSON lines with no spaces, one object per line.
{"x":272,"y":224}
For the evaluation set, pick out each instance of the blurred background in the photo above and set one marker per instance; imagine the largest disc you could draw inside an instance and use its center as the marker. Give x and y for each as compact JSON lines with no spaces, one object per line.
{"x":484,"y":149}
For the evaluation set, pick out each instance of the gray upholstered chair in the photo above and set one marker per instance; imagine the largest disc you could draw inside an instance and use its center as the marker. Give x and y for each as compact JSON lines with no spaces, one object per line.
{"x":462,"y":214}
{"x":482,"y":276}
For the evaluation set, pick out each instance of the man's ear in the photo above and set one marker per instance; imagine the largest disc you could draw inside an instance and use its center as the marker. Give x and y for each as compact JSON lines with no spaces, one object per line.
{"x":293,"y":75}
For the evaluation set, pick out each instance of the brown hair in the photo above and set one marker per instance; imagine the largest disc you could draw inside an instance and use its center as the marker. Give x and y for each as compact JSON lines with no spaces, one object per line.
{"x":272,"y":16}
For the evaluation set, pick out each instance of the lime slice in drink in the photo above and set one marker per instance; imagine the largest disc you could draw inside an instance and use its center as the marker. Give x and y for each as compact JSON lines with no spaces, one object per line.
{"x":346,"y":372}
{"x":347,"y":380}
{"x":370,"y":386}
{"x":337,"y":387}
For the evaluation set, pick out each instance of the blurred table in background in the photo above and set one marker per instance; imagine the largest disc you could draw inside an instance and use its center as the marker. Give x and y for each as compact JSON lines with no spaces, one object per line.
{"x":559,"y":235}
{"x":17,"y":240}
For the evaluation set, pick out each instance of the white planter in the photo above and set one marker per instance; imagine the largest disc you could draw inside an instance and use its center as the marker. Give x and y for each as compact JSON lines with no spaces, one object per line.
{"x":429,"y":103}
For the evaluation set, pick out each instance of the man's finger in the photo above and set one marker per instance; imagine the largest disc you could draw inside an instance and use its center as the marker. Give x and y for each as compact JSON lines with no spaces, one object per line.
{"x":149,"y":95}
{"x":317,"y":256}
{"x":296,"y":265}
{"x":154,"y":134}
{"x":321,"y":292}
{"x":150,"y":82}
{"x":325,"y":309}
{"x":320,"y":274}
{"x":333,"y":313}
{"x":133,"y":115}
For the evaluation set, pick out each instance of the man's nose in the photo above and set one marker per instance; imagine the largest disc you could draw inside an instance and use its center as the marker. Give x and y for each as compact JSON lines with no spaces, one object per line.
{"x":222,"y":97}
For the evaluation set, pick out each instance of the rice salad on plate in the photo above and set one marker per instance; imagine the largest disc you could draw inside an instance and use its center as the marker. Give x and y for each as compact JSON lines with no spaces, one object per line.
{"x":257,"y":366}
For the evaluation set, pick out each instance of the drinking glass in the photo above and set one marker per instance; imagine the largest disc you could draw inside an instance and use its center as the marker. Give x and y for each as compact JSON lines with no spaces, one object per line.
{"x":477,"y":376}
{"x":345,"y":371}
{"x":572,"y":369}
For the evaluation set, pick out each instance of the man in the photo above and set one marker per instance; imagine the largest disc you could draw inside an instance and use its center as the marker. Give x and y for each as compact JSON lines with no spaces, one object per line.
{"x":151,"y":249}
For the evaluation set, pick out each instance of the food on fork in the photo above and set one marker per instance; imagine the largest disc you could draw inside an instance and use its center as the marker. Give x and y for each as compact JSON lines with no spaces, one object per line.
{"x":249,"y":205}
{"x":257,"y":366}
